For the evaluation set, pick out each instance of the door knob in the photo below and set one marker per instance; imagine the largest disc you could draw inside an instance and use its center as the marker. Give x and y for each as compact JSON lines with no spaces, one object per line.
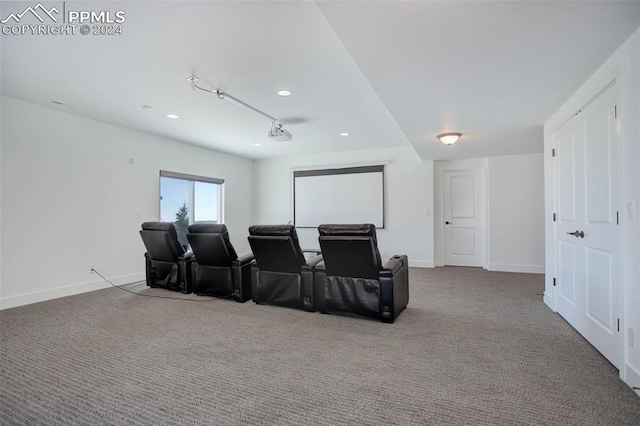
{"x":577,"y":234}
{"x":448,"y":223}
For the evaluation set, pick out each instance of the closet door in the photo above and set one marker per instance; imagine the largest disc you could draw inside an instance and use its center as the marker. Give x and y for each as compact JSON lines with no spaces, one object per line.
{"x":586,"y":252}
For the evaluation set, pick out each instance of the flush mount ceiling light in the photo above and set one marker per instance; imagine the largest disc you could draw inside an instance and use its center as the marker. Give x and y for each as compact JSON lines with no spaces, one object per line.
{"x":449,"y":138}
{"x":276,"y":132}
{"x":284,"y":92}
{"x":344,"y":134}
{"x":172,"y":116}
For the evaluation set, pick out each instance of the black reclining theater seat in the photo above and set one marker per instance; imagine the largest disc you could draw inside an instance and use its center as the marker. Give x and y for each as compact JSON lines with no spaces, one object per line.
{"x":280,"y":274}
{"x":167,"y":262}
{"x":216,"y":269}
{"x":352,"y":278}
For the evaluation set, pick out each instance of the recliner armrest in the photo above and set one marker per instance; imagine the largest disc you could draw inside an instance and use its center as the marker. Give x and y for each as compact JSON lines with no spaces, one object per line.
{"x":314,"y":261}
{"x":308,"y":289}
{"x":244,"y":259}
{"x":391,"y":267}
{"x":185,"y":260}
{"x":242,"y":275}
{"x":319,"y":284}
{"x":187,"y":256}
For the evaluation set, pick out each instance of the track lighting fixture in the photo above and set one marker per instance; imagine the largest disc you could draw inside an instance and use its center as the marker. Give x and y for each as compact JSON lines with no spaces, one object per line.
{"x":277,"y":131}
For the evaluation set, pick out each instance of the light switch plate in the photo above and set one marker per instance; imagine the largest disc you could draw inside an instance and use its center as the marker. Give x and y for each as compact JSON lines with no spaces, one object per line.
{"x":630,"y":210}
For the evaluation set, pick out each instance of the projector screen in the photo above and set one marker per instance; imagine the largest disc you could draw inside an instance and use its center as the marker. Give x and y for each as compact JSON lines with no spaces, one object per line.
{"x":338,"y":196}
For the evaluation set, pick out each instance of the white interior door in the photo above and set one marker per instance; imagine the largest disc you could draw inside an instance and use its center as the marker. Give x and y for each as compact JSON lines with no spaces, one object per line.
{"x":463,"y":216}
{"x":586,"y":251}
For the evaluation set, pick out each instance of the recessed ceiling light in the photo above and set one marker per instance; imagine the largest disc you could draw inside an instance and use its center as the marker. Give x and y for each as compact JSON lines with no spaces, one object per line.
{"x":284,"y":92}
{"x":257,"y":144}
{"x":344,"y":134}
{"x":172,"y":116}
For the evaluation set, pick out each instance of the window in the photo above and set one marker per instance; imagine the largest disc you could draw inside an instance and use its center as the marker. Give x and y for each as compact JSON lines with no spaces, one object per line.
{"x":187,"y":199}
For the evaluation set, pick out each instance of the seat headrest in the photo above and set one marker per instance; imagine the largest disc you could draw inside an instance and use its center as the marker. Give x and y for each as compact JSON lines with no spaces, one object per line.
{"x":274,"y":231}
{"x":355,"y":230}
{"x":214,"y":228}
{"x":339,"y":243}
{"x":158,"y":226}
{"x":276,"y":248}
{"x":161,"y":240}
{"x":165,"y":227}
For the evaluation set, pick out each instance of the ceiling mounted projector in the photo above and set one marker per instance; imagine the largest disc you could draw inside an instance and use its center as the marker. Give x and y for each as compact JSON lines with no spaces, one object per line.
{"x":279,"y":133}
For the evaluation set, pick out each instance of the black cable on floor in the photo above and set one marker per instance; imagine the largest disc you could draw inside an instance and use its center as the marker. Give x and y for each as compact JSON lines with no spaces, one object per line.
{"x":159,"y":297}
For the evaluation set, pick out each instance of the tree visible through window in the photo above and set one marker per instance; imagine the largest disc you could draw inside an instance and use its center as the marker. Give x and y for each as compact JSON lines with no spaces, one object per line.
{"x":182,"y":223}
{"x":187,"y":199}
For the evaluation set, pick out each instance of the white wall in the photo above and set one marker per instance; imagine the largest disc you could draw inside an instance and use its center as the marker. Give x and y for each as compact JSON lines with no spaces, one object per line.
{"x":408,"y":198}
{"x":1,"y":239}
{"x":516,"y":213}
{"x":625,"y":64}
{"x":70,"y":198}
{"x":514,"y":198}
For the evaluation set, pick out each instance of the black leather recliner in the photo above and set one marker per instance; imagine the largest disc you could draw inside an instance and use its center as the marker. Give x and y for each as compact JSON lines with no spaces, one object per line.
{"x":216,"y":269}
{"x":280,"y":274}
{"x":166,"y":260}
{"x":352,"y":278}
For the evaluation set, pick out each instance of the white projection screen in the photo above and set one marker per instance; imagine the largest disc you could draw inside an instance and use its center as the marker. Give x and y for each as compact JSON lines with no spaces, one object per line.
{"x":338,"y":196}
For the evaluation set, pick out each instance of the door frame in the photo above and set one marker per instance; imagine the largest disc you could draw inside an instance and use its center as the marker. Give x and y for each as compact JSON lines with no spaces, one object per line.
{"x":439,"y":167}
{"x":551,"y":181}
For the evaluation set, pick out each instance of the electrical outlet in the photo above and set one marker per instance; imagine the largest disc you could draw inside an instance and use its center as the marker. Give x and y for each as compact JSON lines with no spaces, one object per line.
{"x":92,"y":268}
{"x":632,"y":337}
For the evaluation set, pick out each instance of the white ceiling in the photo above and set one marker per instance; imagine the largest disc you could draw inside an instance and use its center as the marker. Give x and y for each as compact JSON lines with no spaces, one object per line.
{"x":391,"y":73}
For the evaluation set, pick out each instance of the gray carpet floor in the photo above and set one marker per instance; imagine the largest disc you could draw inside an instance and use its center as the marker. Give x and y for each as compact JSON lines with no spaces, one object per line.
{"x":473,"y":347}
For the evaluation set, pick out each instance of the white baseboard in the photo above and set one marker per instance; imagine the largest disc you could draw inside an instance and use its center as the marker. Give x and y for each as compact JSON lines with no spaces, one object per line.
{"x":55,"y":293}
{"x":508,"y":267}
{"x":632,"y":377}
{"x":548,"y":300}
{"x":421,"y":264}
